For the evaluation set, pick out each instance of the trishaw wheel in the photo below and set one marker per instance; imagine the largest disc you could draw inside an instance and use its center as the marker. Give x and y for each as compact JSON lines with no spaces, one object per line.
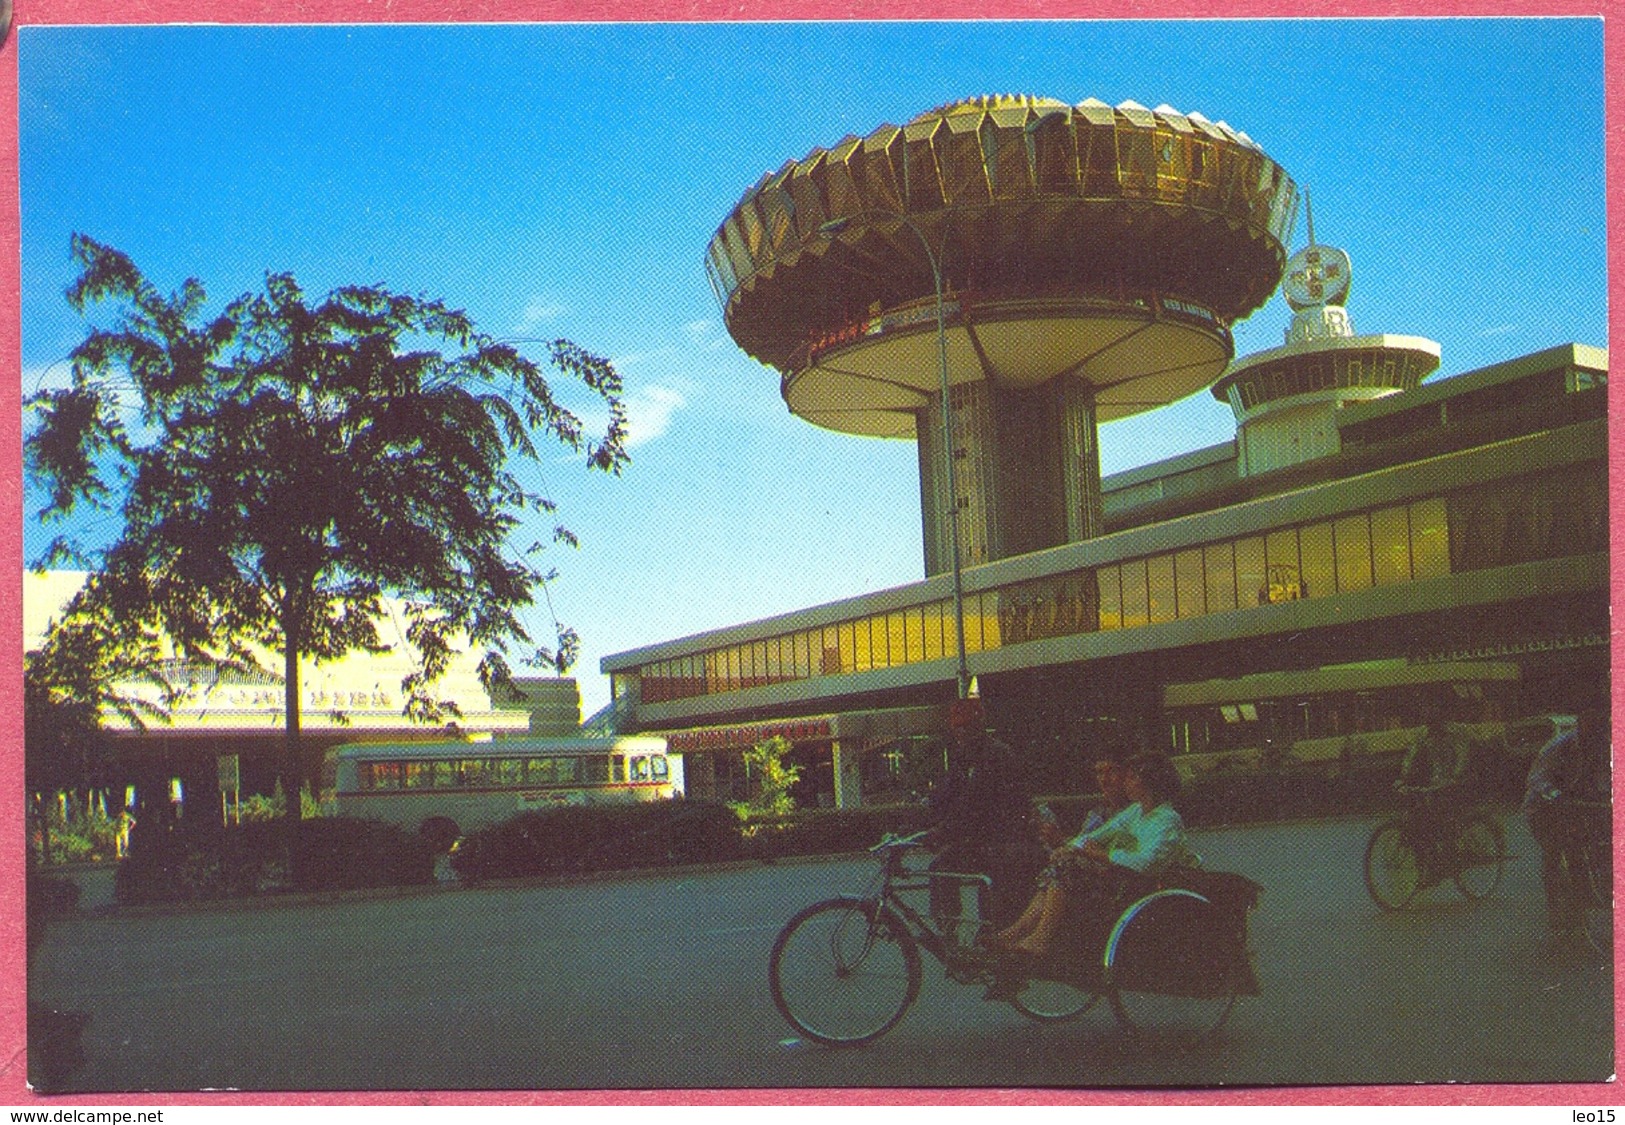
{"x":1053,"y":1001}
{"x":844,"y":971}
{"x":1171,"y":966}
{"x":1393,"y":872}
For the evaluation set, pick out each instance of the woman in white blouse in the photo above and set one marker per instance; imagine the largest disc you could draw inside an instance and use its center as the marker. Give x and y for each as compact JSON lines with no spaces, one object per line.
{"x":1146,"y":836}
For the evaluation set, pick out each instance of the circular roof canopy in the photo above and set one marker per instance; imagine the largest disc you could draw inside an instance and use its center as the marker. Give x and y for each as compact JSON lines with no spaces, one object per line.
{"x":1109,"y":244}
{"x":873,"y":378}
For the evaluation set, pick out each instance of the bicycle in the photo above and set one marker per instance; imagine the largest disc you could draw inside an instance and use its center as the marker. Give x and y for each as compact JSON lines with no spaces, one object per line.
{"x":844,"y":971}
{"x":1425,"y":845}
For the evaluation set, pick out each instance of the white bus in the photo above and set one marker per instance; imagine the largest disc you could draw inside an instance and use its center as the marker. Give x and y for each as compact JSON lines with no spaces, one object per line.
{"x":1332,"y":720}
{"x":473,"y":784}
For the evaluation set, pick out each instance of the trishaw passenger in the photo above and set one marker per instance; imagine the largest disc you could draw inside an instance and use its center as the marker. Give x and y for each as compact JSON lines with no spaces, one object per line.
{"x":1147,"y":836}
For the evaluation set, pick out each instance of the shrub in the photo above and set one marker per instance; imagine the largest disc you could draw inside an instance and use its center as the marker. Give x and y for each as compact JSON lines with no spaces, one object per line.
{"x":599,"y":838}
{"x":346,"y":853}
{"x":329,"y":853}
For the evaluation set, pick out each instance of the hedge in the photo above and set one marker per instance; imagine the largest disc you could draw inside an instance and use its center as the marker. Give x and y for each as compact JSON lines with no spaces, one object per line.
{"x":600,"y":838}
{"x":329,"y":853}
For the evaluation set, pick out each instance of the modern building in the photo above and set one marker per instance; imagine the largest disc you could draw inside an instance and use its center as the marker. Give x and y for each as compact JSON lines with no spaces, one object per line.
{"x":230,"y":725}
{"x":1394,"y":543}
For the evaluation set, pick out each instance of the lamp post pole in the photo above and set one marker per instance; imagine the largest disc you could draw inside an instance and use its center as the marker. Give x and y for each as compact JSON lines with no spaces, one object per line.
{"x":962,"y":672}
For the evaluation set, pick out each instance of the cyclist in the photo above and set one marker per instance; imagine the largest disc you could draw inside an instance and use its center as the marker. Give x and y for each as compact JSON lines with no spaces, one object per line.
{"x":1435,"y":774}
{"x":1563,"y":774}
{"x":982,"y":809}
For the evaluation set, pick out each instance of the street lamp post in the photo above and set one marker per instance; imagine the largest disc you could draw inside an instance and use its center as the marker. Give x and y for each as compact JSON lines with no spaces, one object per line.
{"x":834,"y":227}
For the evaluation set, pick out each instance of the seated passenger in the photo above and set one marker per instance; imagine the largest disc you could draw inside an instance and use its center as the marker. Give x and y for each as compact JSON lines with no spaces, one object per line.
{"x":1146,"y":836}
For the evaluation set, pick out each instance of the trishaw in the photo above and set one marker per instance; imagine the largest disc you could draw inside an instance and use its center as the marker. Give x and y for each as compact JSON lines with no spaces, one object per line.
{"x":1169,"y":953}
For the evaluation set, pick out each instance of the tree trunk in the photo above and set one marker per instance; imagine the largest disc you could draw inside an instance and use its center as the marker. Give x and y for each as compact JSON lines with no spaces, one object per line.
{"x":292,"y":774}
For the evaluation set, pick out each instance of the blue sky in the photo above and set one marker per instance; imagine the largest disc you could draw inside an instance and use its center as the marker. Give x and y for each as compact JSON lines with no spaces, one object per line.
{"x":566,"y":180}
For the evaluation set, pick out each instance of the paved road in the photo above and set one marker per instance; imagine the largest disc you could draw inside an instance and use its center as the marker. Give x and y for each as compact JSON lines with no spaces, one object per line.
{"x":660,"y":982}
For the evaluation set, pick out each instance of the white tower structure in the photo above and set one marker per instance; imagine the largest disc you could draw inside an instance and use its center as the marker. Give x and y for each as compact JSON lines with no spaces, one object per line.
{"x":1286,"y":399}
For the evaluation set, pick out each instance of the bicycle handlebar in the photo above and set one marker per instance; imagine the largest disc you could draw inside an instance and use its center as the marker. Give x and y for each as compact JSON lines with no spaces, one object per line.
{"x":890,"y":840}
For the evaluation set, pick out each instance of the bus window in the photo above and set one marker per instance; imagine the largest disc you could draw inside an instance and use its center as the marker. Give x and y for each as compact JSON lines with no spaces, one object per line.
{"x":658,"y":767}
{"x":595,"y":769}
{"x":540,"y":771}
{"x":640,"y":768}
{"x":387,"y":775}
{"x":419,"y":775}
{"x":444,"y":775}
{"x":618,"y":769}
{"x":510,"y":771}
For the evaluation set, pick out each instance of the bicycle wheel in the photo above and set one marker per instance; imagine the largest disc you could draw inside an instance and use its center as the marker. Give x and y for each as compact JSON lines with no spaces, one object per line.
{"x":1597,"y":902}
{"x":1170,"y":966}
{"x":1481,"y":856}
{"x":1393,"y":872}
{"x":844,"y":971}
{"x":1053,"y":1001}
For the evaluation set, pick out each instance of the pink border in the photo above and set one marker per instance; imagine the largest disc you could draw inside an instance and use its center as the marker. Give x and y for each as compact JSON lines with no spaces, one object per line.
{"x":13,"y":1088}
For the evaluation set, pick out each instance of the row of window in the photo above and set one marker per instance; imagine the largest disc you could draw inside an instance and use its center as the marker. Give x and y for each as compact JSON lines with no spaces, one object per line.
{"x":1306,"y":374}
{"x":1542,"y":516}
{"x":486,"y":773}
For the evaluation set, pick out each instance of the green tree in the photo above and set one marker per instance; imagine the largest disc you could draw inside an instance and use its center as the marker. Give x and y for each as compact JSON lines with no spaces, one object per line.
{"x":296,"y":461}
{"x":766,"y":762}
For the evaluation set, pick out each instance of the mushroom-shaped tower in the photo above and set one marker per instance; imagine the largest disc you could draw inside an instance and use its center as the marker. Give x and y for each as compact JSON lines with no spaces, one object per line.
{"x":1286,"y":399}
{"x":1086,"y":263}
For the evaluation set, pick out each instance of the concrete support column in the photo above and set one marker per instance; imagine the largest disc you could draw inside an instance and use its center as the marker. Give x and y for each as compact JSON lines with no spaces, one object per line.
{"x":1080,"y":460}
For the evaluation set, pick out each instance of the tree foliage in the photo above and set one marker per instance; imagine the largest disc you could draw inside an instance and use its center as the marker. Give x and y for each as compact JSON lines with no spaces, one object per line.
{"x":284,"y":464}
{"x":766,"y":762}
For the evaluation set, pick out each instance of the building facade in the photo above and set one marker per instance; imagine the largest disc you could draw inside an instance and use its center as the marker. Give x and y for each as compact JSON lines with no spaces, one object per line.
{"x":226,"y":733}
{"x":1465,"y":519}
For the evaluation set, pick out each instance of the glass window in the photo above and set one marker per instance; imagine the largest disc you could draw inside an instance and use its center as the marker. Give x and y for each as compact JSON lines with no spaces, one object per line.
{"x":1284,"y":576}
{"x":640,"y":768}
{"x":1136,"y":602}
{"x":1251,"y":586}
{"x":1319,"y":562}
{"x":1391,"y":544}
{"x":1219,"y":563}
{"x":913,"y":635}
{"x":1189,"y":583}
{"x":1160,"y":576}
{"x":475,"y":771}
{"x":510,"y":771}
{"x":987,"y":618}
{"x":848,"y":647}
{"x":1430,"y":539}
{"x":862,"y":647}
{"x":1353,"y":543}
{"x":595,"y":769}
{"x":659,"y":769}
{"x":1111,"y":596}
{"x":420,"y":775}
{"x":540,"y":771}
{"x":829,"y":662}
{"x":444,"y":775}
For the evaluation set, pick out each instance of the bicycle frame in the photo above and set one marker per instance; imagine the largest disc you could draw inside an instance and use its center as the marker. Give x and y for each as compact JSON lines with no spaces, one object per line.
{"x":895,"y":880}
